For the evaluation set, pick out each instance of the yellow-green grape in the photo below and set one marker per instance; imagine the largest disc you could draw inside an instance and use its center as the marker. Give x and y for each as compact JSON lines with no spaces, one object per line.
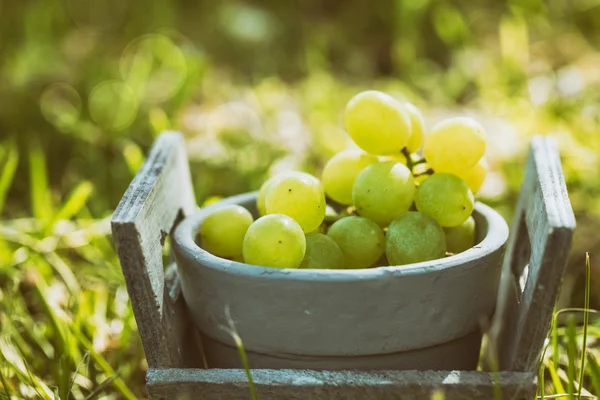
{"x":361,"y":240}
{"x":455,"y":144}
{"x":446,"y":198}
{"x":262,"y":194}
{"x":414,"y":237}
{"x":378,"y":123}
{"x":298,"y":195}
{"x":383,"y":191}
{"x":474,"y":177}
{"x":322,"y":252}
{"x":462,"y":237}
{"x":340,"y":172}
{"x":222,"y":231}
{"x":418,"y":128}
{"x":274,"y":240}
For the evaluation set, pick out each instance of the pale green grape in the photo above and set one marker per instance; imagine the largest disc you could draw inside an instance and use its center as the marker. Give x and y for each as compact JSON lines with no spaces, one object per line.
{"x":262,"y":194}
{"x":462,"y":237}
{"x":274,"y":240}
{"x":414,"y":237}
{"x":383,"y":191}
{"x":322,"y":252}
{"x":378,"y":123}
{"x":361,"y":240}
{"x":475,"y":176}
{"x":298,"y":195}
{"x":222,"y":231}
{"x":340,"y":172}
{"x":446,"y":198}
{"x":455,"y":144}
{"x":418,"y":128}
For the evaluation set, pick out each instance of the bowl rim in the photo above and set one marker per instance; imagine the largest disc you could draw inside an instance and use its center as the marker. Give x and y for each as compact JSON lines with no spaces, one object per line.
{"x":183,"y":242}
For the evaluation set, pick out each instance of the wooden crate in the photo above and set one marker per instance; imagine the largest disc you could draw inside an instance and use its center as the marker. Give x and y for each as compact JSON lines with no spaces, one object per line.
{"x":161,"y":195}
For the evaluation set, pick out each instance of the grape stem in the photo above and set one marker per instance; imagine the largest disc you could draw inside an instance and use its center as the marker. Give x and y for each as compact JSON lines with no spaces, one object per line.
{"x":410,"y":163}
{"x":426,"y":172}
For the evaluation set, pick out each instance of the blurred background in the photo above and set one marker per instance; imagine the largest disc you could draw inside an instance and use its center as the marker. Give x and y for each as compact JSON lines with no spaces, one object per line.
{"x":256,"y":87}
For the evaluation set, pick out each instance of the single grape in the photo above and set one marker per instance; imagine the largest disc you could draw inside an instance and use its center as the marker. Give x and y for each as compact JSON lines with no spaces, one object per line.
{"x":298,"y":195}
{"x":414,"y":237}
{"x":475,"y":176}
{"x":446,"y":198}
{"x":383,"y":191}
{"x":322,"y":252}
{"x":340,"y":172}
{"x":361,"y":240}
{"x":378,"y":123}
{"x":455,"y":144}
{"x":418,"y":128}
{"x":222,"y":231}
{"x":262,"y":194}
{"x":274,"y":240}
{"x":462,"y":237}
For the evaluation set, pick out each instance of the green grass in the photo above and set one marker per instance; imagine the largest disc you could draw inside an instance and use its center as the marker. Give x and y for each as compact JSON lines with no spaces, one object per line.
{"x":66,"y":325}
{"x":67,"y":328}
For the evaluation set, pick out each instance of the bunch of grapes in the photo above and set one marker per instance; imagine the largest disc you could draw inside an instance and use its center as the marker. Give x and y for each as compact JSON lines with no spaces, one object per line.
{"x":389,"y":202}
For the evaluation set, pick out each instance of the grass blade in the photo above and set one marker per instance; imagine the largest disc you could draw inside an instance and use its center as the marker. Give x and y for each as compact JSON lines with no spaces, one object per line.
{"x":60,"y":341}
{"x":41,"y":199}
{"x":77,"y":199}
{"x":238,"y":341}
{"x":571,"y":338}
{"x":100,"y":388}
{"x":554,"y":337}
{"x":5,"y":387}
{"x":585,"y":322}
{"x":558,"y":386}
{"x":104,"y":365}
{"x":593,"y":371}
{"x":134,"y":157}
{"x":8,"y":172}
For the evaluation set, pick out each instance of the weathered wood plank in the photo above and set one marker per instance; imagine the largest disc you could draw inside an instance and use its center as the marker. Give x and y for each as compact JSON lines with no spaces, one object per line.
{"x":159,"y":195}
{"x":348,"y":385}
{"x":536,"y":258}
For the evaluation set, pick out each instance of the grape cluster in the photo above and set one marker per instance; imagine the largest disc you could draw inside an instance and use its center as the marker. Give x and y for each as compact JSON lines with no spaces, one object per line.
{"x":389,"y":202}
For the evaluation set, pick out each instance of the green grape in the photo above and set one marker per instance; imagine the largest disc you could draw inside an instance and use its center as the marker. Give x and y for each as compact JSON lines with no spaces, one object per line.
{"x":462,"y":237}
{"x":274,"y":240}
{"x":455,"y":144}
{"x":222,"y":231}
{"x":414,"y":237}
{"x":322,"y":252}
{"x":446,"y":198}
{"x":298,"y":195}
{"x":378,"y":123}
{"x":475,"y":176}
{"x":418,"y":128}
{"x":383,"y":191}
{"x":361,"y":240}
{"x":341,"y":171}
{"x":262,"y":194}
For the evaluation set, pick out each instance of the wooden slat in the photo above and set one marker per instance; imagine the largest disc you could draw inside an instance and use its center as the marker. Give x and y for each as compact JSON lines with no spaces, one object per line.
{"x":159,"y":195}
{"x":534,"y":264}
{"x":217,"y":384}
